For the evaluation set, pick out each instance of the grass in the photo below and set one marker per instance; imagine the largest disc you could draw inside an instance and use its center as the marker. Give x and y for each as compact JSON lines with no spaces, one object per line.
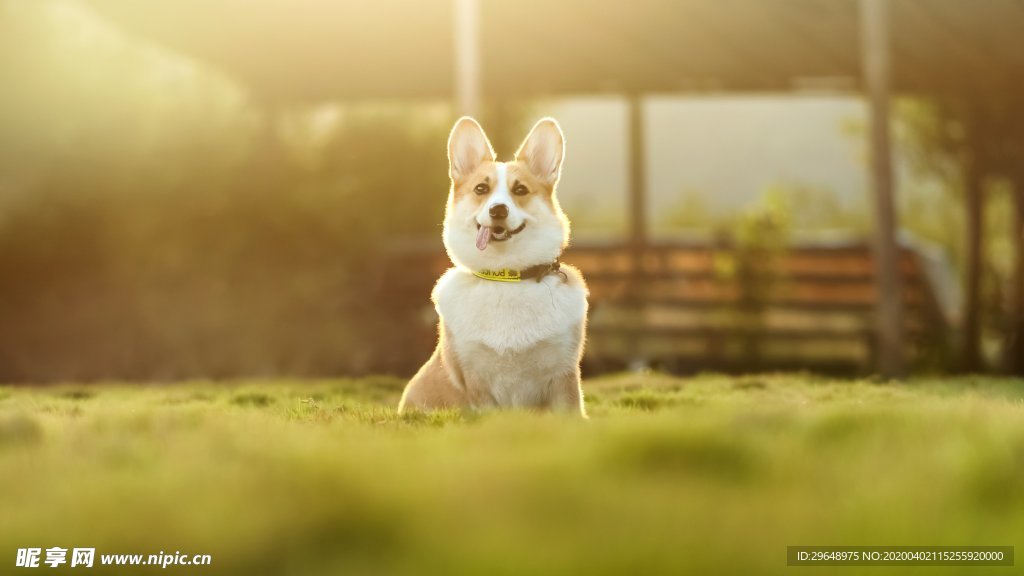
{"x":706,"y":475}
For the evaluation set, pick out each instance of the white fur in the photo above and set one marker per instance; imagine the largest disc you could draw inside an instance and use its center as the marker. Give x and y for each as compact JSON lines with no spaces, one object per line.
{"x":517,"y":342}
{"x":512,"y":338}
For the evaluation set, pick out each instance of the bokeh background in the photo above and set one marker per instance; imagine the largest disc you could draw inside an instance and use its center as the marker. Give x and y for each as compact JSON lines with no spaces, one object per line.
{"x":227,"y":188}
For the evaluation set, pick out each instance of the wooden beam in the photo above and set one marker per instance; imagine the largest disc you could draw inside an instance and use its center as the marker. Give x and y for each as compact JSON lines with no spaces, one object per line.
{"x":638,"y":230}
{"x":467,"y":57}
{"x":637,"y":177}
{"x":875,"y":51}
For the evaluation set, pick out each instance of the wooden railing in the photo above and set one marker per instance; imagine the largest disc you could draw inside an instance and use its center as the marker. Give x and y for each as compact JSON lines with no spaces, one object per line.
{"x":675,"y":308}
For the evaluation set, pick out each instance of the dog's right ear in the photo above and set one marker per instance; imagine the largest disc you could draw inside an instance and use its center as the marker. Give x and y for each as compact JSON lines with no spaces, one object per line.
{"x":468,"y":148}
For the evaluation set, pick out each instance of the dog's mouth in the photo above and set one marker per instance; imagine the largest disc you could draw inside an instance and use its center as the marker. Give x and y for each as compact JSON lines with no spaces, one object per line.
{"x":488,"y":234}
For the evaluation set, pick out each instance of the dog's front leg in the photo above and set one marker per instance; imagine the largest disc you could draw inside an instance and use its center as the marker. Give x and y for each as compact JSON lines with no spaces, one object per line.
{"x":566,"y":394}
{"x":480,"y":398}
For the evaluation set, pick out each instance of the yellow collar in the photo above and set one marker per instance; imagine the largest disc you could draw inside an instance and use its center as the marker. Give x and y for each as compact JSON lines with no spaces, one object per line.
{"x":499,"y":275}
{"x":537,"y":273}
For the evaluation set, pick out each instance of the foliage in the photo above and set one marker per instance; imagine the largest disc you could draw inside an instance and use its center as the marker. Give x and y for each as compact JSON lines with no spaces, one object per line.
{"x":935,"y":136}
{"x":754,"y":247}
{"x":157,"y":223}
{"x":807,"y":209}
{"x":689,"y":213}
{"x":704,"y":475}
{"x":756,"y":241}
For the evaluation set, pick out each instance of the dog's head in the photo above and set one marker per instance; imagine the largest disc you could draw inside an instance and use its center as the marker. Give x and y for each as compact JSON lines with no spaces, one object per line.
{"x":504,"y":214}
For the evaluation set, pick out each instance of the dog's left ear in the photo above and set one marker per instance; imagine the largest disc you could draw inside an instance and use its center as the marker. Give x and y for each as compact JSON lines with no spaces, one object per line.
{"x":543,"y":151}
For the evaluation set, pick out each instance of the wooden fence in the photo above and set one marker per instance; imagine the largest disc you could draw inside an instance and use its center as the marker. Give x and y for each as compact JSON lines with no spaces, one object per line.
{"x":689,"y":307}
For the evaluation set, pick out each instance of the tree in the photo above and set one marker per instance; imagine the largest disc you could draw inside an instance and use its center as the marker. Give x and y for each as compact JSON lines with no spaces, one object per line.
{"x":967,"y":142}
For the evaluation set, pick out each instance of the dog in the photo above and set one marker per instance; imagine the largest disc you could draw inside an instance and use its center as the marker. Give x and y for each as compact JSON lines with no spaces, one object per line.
{"x":512,"y":317}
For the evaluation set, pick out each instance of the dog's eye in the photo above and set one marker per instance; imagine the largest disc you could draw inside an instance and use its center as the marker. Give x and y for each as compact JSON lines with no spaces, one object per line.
{"x":482,"y":188}
{"x":520,"y":190}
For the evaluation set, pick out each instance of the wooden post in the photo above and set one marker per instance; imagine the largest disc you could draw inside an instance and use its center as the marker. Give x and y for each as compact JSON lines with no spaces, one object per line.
{"x":875,"y":54}
{"x":637,"y":180}
{"x":974,"y":204}
{"x":638,"y":239}
{"x":466,"y":32}
{"x":1014,"y":353}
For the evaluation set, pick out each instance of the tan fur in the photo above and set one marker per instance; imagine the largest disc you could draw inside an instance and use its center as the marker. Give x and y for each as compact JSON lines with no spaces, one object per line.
{"x":518,"y":171}
{"x":431,"y":387}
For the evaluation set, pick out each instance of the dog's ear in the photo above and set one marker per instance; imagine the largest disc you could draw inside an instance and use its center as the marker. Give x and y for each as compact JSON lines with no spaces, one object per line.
{"x":543,"y":151}
{"x":468,"y":147}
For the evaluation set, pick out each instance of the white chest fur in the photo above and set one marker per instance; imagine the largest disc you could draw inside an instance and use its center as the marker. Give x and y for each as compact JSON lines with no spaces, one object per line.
{"x":511,"y":339}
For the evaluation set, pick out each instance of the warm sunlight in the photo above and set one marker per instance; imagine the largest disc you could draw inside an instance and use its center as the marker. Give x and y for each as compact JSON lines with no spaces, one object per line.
{"x":538,"y":287}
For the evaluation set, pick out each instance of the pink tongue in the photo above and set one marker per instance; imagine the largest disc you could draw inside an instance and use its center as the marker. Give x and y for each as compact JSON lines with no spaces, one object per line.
{"x":483,"y":236}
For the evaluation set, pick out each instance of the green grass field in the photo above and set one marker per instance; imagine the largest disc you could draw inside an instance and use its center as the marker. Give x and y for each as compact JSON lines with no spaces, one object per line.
{"x":707,"y":475}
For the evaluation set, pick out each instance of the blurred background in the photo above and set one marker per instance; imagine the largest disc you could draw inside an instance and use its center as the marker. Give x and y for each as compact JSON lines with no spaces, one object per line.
{"x":225,"y":188}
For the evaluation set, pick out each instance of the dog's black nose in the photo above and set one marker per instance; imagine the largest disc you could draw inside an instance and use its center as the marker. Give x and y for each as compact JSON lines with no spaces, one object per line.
{"x":499,"y":211}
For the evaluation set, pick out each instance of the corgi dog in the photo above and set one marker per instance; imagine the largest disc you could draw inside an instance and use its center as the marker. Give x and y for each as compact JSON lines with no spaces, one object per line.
{"x":512,"y":317}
